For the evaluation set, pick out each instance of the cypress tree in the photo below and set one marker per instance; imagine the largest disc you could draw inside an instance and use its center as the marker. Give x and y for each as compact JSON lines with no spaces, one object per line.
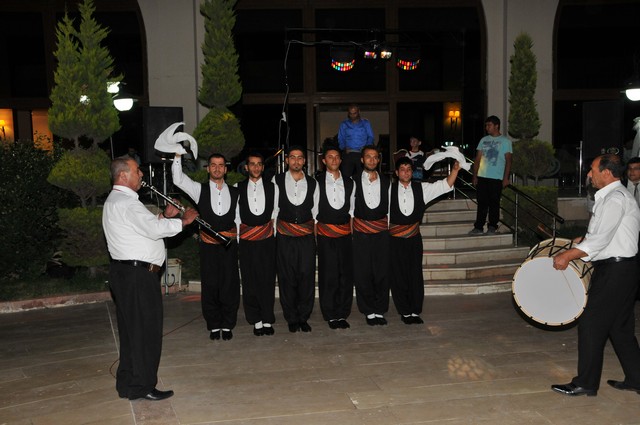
{"x":220,"y":130}
{"x":524,"y":122}
{"x":81,"y":105}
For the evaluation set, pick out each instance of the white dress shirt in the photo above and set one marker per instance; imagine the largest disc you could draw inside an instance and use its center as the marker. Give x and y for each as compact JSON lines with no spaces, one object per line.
{"x":296,"y":191}
{"x":430,"y":191}
{"x":336,"y":192}
{"x":634,"y":189}
{"x":132,"y":231}
{"x":256,"y":198}
{"x":220,"y":197}
{"x":614,"y":225}
{"x":370,"y":190}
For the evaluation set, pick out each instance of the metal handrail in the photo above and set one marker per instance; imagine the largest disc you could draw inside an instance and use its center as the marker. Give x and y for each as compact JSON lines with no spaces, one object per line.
{"x":554,"y":216}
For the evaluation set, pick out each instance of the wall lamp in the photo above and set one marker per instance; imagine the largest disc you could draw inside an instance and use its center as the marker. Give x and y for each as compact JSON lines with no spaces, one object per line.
{"x":454,"y":115}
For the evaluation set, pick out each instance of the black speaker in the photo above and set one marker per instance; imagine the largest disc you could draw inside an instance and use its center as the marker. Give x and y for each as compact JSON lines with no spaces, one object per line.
{"x":601,"y":127}
{"x":155,"y":120}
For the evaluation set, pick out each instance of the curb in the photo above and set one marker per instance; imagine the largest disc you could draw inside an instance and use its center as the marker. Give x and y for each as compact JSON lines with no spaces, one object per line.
{"x":54,"y":302}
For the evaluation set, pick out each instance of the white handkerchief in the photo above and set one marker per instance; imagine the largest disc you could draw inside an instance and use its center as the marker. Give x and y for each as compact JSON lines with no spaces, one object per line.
{"x":449,"y":152}
{"x":169,"y":142}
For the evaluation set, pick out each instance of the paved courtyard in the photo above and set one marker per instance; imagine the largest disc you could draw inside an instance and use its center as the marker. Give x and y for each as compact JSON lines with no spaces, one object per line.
{"x":474,"y":361}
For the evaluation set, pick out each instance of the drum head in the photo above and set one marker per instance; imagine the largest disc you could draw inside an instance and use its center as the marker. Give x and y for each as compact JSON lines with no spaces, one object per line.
{"x":549,"y":296}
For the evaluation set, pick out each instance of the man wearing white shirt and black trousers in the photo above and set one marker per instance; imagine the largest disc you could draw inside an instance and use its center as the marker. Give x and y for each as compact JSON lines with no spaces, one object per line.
{"x":633,"y":185}
{"x":135,"y":242}
{"x":409,"y":200}
{"x":335,"y":247}
{"x":295,"y":241}
{"x":610,"y":244}
{"x":257,"y":247}
{"x":219,"y":275}
{"x":371,"y":239}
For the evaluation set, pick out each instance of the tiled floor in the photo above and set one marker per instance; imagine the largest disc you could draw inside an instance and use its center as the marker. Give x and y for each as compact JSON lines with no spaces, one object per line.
{"x":474,"y":361}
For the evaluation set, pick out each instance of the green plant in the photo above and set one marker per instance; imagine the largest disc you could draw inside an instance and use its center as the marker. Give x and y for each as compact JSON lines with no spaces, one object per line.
{"x":80,"y":103}
{"x":524,"y":122}
{"x":28,"y":217}
{"x":534,"y":158}
{"x":220,"y":130}
{"x":84,"y":243}
{"x":85,"y":172}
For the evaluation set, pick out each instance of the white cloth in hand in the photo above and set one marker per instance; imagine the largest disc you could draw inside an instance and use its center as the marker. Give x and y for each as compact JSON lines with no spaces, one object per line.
{"x":449,"y":152}
{"x":169,"y":142}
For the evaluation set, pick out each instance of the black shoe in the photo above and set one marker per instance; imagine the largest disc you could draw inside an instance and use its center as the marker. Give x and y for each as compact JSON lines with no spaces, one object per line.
{"x":343,"y":324}
{"x":381,"y":321}
{"x":372,"y":322}
{"x":258,"y":331}
{"x":294,"y":327}
{"x":157,"y":395}
{"x":268,"y":330}
{"x":304,"y":327}
{"x":214,"y":335}
{"x":334,"y":324}
{"x":407,"y":320}
{"x":417,"y":320}
{"x":573,"y":389}
{"x":227,"y":335}
{"x":620,"y":385}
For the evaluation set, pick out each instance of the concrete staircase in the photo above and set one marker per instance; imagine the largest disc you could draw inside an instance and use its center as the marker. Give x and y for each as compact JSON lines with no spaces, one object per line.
{"x":456,"y":263}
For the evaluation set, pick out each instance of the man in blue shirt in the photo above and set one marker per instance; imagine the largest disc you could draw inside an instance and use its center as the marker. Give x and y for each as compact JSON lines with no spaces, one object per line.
{"x":354,"y":133}
{"x":491,"y":170}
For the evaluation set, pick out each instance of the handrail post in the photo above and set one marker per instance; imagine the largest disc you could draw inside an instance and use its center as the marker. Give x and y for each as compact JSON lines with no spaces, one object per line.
{"x":515,"y":233}
{"x":554,"y":227}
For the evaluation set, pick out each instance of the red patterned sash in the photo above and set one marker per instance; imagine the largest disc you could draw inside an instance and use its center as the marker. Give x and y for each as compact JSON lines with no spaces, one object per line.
{"x":334,"y":230}
{"x":207,"y":238}
{"x":367,"y":226}
{"x":256,"y":233}
{"x":404,"y":230}
{"x":295,"y":229}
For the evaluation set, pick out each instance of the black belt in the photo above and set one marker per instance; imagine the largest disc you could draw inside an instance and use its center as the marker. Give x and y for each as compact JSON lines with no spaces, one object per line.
{"x":612,"y":260}
{"x":153,"y":268}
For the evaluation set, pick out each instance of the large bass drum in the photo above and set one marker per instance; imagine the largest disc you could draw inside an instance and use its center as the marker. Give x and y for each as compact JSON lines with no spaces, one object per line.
{"x":549,"y":296}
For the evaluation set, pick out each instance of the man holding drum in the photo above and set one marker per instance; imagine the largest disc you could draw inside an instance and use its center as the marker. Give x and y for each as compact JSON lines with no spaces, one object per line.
{"x":611,"y":244}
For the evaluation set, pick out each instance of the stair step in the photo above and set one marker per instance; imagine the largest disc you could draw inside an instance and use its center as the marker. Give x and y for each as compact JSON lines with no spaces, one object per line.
{"x":465,"y":241}
{"x":433,"y":258}
{"x":451,"y":228}
{"x":487,"y":285}
{"x":484,"y":269}
{"x":451,"y":204}
{"x":447,"y":216}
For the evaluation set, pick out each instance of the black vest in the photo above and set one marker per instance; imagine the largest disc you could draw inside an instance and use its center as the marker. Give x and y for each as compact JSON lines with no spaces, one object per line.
{"x":219,"y":223}
{"x":326,"y":213}
{"x":289,"y":212}
{"x":362,"y":211}
{"x":396,"y":216}
{"x":246,"y":216}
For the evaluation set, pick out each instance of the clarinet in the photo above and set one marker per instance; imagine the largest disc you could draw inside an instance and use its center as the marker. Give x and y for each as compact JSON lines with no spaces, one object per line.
{"x":223,"y":239}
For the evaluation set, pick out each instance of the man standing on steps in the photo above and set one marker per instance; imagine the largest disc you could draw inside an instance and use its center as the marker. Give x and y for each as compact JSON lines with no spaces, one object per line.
{"x":491,"y":170}
{"x":408,"y":201}
{"x":295,"y":242}
{"x":335,"y":252}
{"x":371,"y":239}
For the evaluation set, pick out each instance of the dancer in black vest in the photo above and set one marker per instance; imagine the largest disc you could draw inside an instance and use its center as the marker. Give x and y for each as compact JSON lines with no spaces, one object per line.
{"x":335,"y":252}
{"x":219,"y":276}
{"x":295,"y":242}
{"x":257,"y":246}
{"x":371,"y":239}
{"x":408,"y":201}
